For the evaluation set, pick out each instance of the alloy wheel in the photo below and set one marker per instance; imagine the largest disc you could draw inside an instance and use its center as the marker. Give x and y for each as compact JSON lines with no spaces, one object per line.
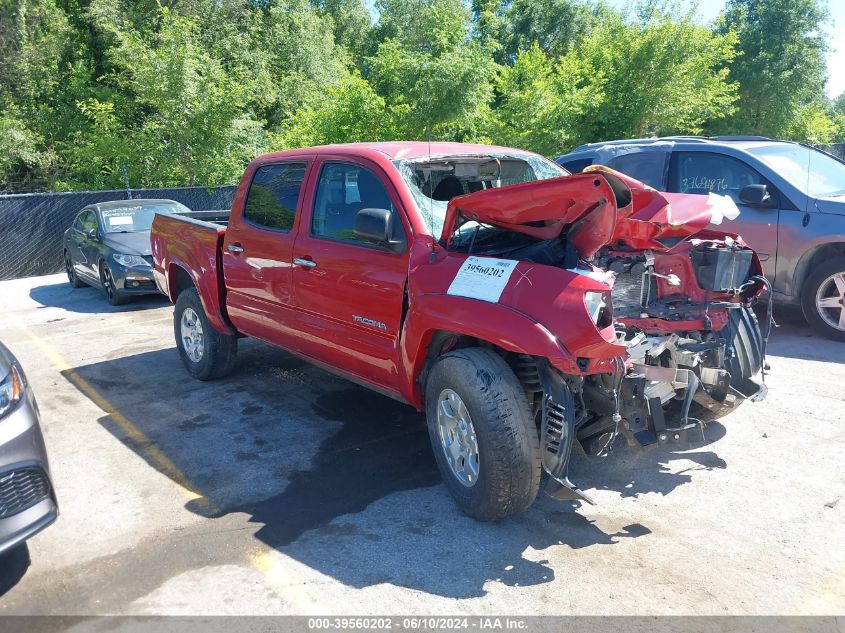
{"x":108,"y":282}
{"x":830,"y":301}
{"x":190,"y":328}
{"x":457,"y":437}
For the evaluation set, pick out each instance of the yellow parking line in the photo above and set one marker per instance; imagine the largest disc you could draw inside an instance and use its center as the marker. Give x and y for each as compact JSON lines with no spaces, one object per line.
{"x":269,"y":562}
{"x":144,"y":444}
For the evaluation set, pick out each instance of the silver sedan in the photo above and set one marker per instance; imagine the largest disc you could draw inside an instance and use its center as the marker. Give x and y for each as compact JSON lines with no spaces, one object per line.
{"x":27,"y":499}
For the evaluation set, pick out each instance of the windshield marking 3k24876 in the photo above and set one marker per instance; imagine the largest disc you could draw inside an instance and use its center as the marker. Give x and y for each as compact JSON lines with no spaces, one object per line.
{"x":434,"y":180}
{"x":811,"y":171}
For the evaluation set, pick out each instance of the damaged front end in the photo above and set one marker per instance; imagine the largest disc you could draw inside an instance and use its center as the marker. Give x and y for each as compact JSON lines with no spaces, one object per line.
{"x":671,"y":342}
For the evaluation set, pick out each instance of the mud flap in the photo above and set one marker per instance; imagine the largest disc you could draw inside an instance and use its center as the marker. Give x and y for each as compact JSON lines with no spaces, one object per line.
{"x":557,"y":433}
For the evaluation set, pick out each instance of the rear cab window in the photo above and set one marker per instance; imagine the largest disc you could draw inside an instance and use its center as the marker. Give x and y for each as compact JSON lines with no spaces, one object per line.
{"x":274,"y":194}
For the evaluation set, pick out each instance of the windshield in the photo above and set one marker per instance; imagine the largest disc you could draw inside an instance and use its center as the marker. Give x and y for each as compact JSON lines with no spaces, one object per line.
{"x":130,"y":219}
{"x":434,"y":180}
{"x":813,"y":172}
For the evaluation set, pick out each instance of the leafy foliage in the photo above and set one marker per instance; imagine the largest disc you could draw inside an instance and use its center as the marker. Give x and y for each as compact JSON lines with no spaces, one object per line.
{"x":187,"y":91}
{"x":780,"y":64}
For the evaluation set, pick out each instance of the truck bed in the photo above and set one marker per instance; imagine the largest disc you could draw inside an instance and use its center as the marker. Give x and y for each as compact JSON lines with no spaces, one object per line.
{"x":192,"y":242}
{"x":217,"y":216}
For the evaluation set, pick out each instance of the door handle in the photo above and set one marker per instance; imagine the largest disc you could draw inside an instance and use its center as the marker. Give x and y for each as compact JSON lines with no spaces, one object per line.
{"x":235,"y":248}
{"x":299,"y":261}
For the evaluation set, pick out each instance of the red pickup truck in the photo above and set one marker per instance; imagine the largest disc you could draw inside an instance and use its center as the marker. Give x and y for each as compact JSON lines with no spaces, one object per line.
{"x":520,"y":307}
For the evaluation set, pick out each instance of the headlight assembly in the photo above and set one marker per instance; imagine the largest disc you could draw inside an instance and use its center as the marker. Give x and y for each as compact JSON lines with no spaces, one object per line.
{"x":131,"y":261}
{"x":11,"y":390}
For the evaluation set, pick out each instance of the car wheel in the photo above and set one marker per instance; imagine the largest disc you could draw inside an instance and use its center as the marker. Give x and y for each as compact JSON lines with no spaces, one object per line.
{"x":114,"y":296}
{"x":823,"y":299}
{"x":72,"y":277}
{"x":483,"y":434}
{"x":206,"y":353}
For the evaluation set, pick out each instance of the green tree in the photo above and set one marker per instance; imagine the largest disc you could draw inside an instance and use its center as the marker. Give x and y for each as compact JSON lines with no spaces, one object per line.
{"x":780,"y":65}
{"x":541,"y":103}
{"x":554,"y":25}
{"x":624,"y":79}
{"x":351,"y":22}
{"x":351,"y":111}
{"x":430,"y":71}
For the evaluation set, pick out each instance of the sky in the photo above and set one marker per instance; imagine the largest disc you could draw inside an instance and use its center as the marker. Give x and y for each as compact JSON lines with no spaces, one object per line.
{"x":709,"y":9}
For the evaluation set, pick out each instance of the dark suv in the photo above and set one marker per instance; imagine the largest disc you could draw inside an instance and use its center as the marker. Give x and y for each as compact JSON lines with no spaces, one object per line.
{"x":791,"y":198}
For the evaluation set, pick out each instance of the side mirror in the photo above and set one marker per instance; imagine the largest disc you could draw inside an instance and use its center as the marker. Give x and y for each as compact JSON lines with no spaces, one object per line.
{"x":376,"y":226}
{"x":755,"y":195}
{"x":90,"y":233}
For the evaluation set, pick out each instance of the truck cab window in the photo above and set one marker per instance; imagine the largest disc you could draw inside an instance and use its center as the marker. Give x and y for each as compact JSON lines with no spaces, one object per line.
{"x":342,"y":191}
{"x":274,"y":194}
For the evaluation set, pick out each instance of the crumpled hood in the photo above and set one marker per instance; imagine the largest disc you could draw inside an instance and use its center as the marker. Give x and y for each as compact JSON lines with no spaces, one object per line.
{"x":133,"y":243}
{"x":597,"y":207}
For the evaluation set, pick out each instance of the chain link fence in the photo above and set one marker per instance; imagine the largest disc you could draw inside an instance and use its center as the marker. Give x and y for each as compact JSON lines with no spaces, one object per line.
{"x":33,"y":225}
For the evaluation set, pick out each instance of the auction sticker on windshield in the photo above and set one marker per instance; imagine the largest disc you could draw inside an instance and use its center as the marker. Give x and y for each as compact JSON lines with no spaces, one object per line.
{"x":482,"y":278}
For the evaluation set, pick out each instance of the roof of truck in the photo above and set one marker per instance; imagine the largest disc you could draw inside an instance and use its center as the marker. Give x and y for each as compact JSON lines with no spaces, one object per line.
{"x":396,"y":150}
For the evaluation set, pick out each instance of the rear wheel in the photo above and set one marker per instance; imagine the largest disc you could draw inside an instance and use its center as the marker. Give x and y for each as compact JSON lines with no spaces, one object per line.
{"x":823,"y":299}
{"x":72,"y":277}
{"x":484,"y":438}
{"x":206,"y":353}
{"x":114,"y":296}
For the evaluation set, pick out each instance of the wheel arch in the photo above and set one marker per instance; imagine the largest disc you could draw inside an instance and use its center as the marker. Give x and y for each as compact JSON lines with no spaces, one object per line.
{"x":501,"y":329}
{"x":812,"y":258}
{"x":179,"y":279}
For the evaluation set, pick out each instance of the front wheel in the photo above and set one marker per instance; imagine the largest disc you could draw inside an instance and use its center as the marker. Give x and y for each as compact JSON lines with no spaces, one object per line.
{"x":484,"y":437}
{"x":114,"y":296}
{"x":206,"y":353}
{"x":823,"y":299}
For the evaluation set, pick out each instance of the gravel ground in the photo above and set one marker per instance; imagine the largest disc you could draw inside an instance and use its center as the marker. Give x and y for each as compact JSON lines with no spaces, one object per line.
{"x":284,"y":490}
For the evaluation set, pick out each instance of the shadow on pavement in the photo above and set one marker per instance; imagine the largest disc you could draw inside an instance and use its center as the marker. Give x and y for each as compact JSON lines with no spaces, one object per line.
{"x":794,"y":338}
{"x":13,"y":566}
{"x":316,"y":464}
{"x":89,"y":300}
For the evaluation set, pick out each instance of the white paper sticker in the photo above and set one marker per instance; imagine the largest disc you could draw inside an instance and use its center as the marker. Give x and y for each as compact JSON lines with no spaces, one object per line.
{"x":482,"y":278}
{"x":118,"y":220}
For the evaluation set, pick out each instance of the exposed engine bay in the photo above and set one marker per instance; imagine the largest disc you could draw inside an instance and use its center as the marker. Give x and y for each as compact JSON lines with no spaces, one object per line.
{"x":677,"y":303}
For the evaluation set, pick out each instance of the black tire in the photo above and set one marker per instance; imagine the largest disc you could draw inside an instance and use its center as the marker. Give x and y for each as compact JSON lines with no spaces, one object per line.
{"x":115,"y":297}
{"x":507,"y":438}
{"x":219,"y":351}
{"x":72,"y":277}
{"x":818,"y":277}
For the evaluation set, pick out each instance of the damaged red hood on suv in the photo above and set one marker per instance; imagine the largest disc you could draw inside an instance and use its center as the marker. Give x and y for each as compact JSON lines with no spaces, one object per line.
{"x":598,"y":207}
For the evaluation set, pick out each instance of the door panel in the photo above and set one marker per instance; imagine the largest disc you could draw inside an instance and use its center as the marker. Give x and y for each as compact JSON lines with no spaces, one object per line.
{"x":87,"y":248}
{"x":349,"y":295}
{"x":257,"y":254}
{"x":705,"y":172}
{"x":74,"y":242}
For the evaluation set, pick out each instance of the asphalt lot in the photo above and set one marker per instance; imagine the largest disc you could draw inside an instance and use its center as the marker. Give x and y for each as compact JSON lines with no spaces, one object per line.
{"x":283,"y":489}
